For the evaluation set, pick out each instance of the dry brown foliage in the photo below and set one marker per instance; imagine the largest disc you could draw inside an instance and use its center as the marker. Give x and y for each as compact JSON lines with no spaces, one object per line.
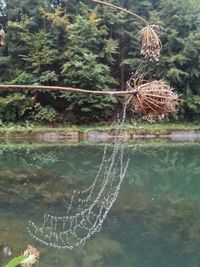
{"x":151,"y":44}
{"x":154,"y":99}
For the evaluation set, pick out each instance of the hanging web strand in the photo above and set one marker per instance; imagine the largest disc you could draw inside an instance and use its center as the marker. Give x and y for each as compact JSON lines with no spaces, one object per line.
{"x":88,"y":208}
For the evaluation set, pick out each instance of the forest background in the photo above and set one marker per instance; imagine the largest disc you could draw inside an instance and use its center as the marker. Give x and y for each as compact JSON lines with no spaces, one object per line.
{"x":81,"y":44}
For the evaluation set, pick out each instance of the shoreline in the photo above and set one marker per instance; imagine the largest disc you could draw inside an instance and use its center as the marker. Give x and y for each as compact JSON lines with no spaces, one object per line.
{"x":95,"y":134}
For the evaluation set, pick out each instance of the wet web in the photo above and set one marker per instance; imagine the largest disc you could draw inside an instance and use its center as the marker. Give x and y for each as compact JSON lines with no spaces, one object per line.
{"x":89,"y":208}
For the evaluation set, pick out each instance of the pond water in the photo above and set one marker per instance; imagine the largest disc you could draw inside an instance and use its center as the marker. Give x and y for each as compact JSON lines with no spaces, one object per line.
{"x":155,"y":221}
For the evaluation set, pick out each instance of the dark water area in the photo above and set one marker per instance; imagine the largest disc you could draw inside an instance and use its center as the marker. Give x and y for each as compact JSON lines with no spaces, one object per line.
{"x":155,"y":221}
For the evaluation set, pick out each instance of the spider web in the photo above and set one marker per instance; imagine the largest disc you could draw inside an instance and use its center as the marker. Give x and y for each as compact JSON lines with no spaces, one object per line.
{"x":89,"y":208}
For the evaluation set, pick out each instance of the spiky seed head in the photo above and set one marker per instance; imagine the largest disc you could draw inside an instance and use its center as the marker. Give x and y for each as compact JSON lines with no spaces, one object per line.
{"x":154,"y":99}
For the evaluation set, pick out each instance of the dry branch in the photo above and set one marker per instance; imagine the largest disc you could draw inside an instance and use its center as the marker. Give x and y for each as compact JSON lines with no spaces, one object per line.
{"x":154,"y":99}
{"x":121,"y":9}
{"x":64,"y":89}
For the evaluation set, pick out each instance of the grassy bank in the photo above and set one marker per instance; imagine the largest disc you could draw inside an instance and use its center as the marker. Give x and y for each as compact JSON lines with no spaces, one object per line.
{"x":162,"y":128}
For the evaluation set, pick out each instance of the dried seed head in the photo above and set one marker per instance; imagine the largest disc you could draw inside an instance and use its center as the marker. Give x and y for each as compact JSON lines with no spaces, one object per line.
{"x":32,"y":256}
{"x":151,"y":44}
{"x":154,"y":99}
{"x":2,"y":35}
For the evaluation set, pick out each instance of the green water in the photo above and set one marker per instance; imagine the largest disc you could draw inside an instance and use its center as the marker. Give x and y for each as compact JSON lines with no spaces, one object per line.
{"x":155,"y":221}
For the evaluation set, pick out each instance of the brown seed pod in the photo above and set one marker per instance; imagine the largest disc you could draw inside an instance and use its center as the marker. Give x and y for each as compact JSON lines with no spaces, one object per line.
{"x":154,"y":99}
{"x":151,"y":44}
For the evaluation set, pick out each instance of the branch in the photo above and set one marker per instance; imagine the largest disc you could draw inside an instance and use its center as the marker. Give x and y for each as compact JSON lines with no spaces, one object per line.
{"x":122,"y":9}
{"x":65,"y":89}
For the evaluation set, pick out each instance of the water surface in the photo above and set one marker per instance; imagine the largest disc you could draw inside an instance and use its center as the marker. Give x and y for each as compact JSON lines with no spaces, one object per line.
{"x":155,"y":221}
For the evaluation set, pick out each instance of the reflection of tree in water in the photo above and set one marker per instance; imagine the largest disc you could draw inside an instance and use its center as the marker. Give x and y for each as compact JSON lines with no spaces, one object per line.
{"x":160,"y":216}
{"x":161,"y":170}
{"x":167,"y":170}
{"x":165,"y":228}
{"x":42,"y":173}
{"x":60,"y":158}
{"x":166,"y":233}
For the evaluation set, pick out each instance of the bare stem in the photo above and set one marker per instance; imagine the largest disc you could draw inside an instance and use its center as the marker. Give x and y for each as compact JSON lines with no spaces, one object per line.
{"x":122,"y":9}
{"x":65,"y":89}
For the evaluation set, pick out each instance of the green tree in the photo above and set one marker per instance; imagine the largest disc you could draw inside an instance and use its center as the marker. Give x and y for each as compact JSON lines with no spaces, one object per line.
{"x":81,"y":44}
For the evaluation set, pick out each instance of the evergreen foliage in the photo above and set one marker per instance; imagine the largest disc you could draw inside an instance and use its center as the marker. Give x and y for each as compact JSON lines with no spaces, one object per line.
{"x":80,"y":44}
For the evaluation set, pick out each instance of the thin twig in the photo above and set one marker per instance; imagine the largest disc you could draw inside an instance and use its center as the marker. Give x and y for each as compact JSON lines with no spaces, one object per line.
{"x":122,"y":9}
